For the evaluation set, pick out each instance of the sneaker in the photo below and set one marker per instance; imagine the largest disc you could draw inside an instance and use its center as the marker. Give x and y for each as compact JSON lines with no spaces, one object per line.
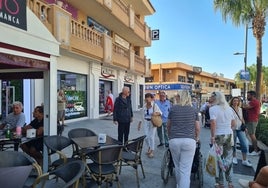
{"x":235,"y":160}
{"x":161,"y":144}
{"x":243,"y":183}
{"x":254,"y":153}
{"x":246,"y":163}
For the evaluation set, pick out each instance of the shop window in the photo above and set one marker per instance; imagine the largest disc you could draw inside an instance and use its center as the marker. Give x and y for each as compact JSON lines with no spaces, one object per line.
{"x":74,"y":86}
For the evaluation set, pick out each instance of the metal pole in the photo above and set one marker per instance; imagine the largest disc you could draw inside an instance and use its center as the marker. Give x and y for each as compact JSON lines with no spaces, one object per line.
{"x":245,"y":62}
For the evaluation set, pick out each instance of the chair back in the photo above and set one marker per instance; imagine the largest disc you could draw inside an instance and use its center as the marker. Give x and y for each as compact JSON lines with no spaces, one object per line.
{"x":80,"y":132}
{"x":70,"y":173}
{"x":106,"y":154}
{"x":56,"y":143}
{"x":135,"y":145}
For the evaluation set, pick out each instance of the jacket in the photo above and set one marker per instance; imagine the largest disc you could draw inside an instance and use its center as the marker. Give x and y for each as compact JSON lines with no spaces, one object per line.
{"x":122,"y":109}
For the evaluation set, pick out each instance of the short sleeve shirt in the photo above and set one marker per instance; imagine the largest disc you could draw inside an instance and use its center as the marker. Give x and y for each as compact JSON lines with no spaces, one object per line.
{"x":253,"y":113}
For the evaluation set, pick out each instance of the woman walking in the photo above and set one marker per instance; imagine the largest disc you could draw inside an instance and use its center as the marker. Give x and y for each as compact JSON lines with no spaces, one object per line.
{"x":222,"y":121}
{"x":238,"y":132}
{"x":183,"y":130}
{"x":150,"y":108}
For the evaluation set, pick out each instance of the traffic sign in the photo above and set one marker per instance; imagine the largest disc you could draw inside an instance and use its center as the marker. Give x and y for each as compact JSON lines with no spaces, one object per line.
{"x":244,"y":75}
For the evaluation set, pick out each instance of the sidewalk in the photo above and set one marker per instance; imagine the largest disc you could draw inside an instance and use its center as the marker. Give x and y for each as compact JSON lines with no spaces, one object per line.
{"x":152,"y":167}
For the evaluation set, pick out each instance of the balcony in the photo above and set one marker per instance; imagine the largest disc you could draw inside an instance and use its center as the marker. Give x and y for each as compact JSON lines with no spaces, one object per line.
{"x":118,"y":17}
{"x":78,"y":38}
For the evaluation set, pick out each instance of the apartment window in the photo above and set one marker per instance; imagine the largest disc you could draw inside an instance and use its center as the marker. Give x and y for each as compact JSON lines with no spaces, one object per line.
{"x":210,"y":84}
{"x":181,"y":78}
{"x":190,"y":78}
{"x":149,"y":79}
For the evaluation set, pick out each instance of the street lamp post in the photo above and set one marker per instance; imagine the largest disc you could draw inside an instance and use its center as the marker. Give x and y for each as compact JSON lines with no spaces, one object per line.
{"x":245,"y":61}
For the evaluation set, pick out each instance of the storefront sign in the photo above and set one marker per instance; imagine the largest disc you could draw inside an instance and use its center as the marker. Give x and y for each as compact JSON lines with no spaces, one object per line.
{"x":128,"y":78}
{"x":13,"y":12}
{"x":107,"y":73}
{"x":168,"y":87}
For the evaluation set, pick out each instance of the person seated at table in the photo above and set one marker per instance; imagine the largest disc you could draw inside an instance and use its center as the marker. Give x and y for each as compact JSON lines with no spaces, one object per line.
{"x":35,"y":146}
{"x":261,"y":180}
{"x":15,"y":118}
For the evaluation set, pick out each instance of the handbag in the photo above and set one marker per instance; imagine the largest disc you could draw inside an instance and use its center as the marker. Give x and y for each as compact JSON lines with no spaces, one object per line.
{"x":243,"y":126}
{"x":156,"y":119}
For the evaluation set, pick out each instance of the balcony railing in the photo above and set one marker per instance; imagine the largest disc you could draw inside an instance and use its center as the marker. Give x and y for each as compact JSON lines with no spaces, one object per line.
{"x":84,"y":40}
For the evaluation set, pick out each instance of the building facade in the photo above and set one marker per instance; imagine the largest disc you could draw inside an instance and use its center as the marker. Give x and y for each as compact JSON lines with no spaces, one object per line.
{"x":176,"y":75}
{"x":100,"y":47}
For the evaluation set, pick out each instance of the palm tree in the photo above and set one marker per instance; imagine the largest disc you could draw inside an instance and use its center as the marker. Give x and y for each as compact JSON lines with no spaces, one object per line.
{"x":244,"y":12}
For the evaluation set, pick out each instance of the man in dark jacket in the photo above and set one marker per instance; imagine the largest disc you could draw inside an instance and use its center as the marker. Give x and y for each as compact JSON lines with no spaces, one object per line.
{"x":123,"y":114}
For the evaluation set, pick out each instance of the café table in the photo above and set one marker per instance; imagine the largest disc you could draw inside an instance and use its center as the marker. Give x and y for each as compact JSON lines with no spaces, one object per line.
{"x":91,"y":142}
{"x":14,"y":177}
{"x":6,"y":142}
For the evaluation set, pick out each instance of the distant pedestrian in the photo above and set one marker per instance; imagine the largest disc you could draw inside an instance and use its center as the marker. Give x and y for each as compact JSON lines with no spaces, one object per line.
{"x":252,"y":114}
{"x":150,"y":108}
{"x":222,"y":122}
{"x":123,"y":114}
{"x":164,"y":105}
{"x":183,"y":130}
{"x":109,"y":105}
{"x":61,"y":106}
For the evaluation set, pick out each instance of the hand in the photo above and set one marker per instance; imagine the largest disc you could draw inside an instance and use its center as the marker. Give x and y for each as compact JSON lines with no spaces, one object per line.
{"x":115,"y":122}
{"x":212,"y":140}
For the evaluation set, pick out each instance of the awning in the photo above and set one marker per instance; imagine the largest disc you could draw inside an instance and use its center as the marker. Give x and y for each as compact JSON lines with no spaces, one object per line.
{"x":17,"y":67}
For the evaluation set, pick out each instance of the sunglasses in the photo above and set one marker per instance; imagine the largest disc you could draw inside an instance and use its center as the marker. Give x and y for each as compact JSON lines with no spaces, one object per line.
{"x":213,"y":94}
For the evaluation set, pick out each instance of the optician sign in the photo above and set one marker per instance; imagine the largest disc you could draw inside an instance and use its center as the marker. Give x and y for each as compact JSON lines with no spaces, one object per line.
{"x":13,"y":12}
{"x":168,"y":87}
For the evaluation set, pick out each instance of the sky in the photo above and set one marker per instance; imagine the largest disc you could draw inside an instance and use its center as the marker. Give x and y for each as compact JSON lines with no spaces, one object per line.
{"x":192,"y":32}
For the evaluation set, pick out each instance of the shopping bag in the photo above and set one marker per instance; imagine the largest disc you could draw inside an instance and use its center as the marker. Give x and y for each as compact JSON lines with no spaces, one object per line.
{"x":223,"y":165}
{"x":211,"y":162}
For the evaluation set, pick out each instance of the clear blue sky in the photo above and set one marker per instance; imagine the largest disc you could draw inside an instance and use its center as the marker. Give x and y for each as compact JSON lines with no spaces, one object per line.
{"x":193,"y":33}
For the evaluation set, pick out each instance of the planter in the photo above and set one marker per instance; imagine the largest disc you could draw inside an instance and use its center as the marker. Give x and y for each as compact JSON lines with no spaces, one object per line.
{"x":262,"y":130}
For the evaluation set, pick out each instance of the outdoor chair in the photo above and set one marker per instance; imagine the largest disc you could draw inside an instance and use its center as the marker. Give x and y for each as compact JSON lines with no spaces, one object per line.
{"x":65,"y":176}
{"x":17,"y":159}
{"x":105,"y":164}
{"x":131,"y":156}
{"x":79,"y":132}
{"x":55,"y":144}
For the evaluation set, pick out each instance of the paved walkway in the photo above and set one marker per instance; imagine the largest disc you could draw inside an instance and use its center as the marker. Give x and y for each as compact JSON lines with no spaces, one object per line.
{"x":152,"y":166}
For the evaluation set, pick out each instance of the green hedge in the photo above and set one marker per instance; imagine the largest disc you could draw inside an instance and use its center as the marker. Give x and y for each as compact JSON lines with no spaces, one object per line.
{"x":262,"y":130}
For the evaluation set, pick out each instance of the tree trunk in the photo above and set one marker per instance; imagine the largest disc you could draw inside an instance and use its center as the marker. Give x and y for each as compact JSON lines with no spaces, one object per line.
{"x":259,"y":68}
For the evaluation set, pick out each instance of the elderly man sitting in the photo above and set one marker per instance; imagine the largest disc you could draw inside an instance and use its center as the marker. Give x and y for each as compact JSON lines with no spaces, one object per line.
{"x":15,"y":118}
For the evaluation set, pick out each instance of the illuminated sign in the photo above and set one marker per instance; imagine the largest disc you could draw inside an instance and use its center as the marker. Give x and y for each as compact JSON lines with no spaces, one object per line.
{"x":168,"y":87}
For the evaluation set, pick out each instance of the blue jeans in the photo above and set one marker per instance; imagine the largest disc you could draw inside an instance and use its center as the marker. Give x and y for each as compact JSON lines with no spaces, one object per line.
{"x":241,"y":135}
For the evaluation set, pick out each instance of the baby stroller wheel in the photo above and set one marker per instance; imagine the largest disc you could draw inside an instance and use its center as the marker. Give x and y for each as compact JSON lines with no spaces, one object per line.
{"x":200,"y":171}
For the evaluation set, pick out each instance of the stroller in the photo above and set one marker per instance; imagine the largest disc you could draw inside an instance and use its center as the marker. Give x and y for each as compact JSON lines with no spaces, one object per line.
{"x":167,"y":166}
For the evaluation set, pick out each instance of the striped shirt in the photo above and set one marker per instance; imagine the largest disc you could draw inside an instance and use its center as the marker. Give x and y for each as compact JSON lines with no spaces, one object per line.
{"x":182,"y":121}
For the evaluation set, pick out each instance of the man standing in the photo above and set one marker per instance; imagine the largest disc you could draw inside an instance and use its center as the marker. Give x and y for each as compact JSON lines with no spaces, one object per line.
{"x":253,"y":111}
{"x":123,"y":114}
{"x":164,"y":105}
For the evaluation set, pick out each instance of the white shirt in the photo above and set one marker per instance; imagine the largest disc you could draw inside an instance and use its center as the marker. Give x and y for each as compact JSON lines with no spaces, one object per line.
{"x":223,"y":118}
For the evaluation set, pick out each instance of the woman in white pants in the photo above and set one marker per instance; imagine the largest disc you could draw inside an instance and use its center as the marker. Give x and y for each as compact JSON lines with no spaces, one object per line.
{"x":183,"y":129}
{"x":150,"y":108}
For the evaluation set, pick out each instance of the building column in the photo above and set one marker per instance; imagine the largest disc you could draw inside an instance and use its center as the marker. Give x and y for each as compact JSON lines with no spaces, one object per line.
{"x":93,"y":88}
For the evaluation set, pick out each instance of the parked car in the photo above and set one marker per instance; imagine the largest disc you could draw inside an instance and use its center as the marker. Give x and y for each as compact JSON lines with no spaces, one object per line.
{"x":264,"y":108}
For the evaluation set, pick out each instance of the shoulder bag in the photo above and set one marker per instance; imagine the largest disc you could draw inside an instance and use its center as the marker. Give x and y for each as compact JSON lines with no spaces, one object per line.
{"x":156,"y":119}
{"x":243,"y":126}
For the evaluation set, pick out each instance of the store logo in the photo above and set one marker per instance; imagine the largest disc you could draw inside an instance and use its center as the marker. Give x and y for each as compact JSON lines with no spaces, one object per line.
{"x":13,"y":12}
{"x":128,"y":78}
{"x":107,"y":73}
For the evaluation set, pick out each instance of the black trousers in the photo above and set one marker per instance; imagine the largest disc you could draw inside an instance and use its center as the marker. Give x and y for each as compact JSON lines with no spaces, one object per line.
{"x":123,"y":132}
